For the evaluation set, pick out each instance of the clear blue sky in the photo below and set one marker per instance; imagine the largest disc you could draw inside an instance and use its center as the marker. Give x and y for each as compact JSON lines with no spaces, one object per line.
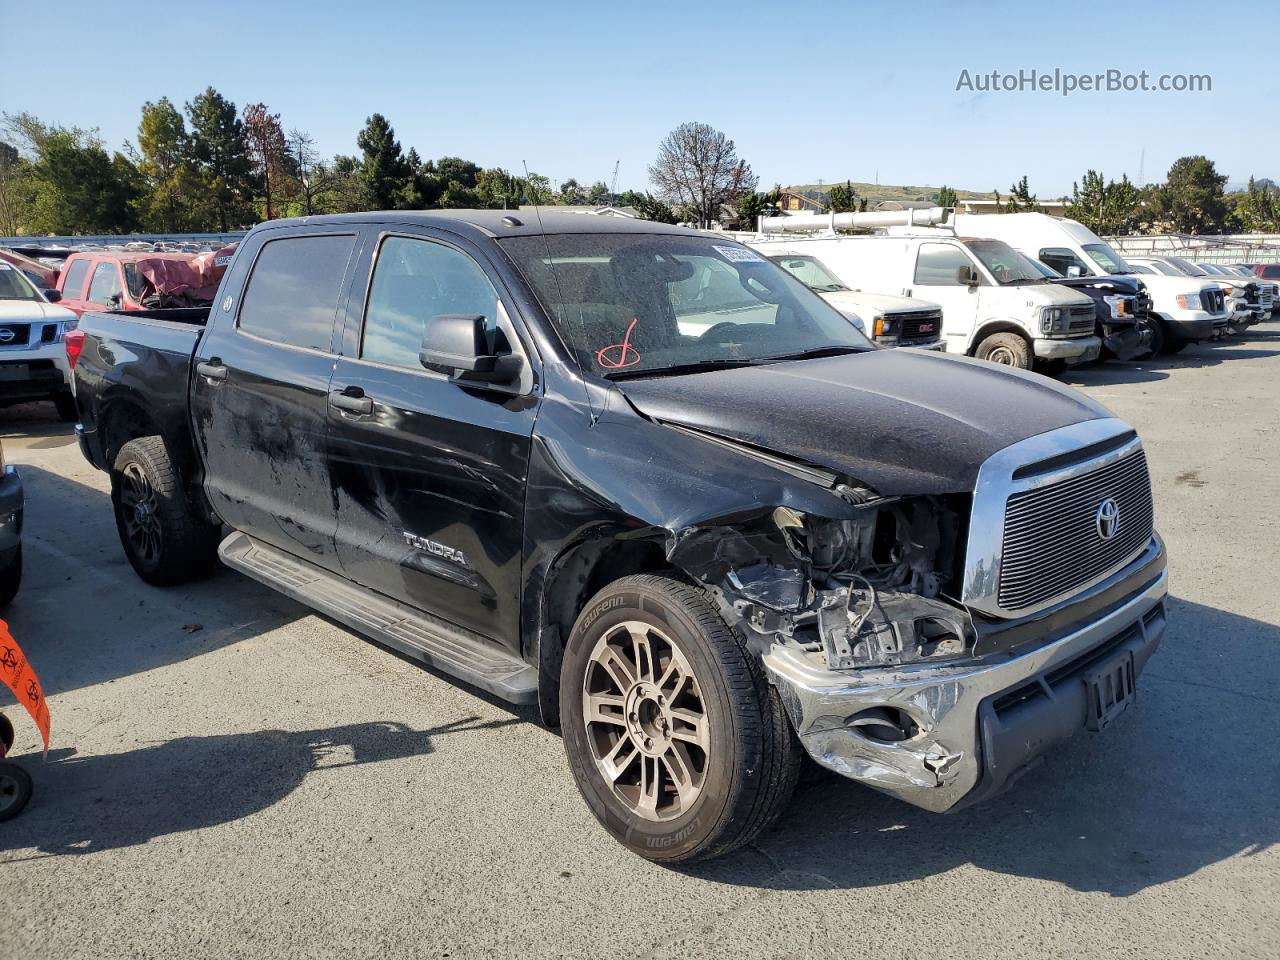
{"x":833,"y":91}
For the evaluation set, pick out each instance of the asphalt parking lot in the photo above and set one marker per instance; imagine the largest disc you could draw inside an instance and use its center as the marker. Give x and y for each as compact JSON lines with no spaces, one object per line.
{"x":234,"y":776}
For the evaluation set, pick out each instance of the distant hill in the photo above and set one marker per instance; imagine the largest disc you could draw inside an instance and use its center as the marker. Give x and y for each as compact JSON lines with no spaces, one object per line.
{"x":875,"y":192}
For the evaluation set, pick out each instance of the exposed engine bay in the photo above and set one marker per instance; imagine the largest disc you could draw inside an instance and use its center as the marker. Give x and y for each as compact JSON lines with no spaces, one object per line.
{"x":868,"y":591}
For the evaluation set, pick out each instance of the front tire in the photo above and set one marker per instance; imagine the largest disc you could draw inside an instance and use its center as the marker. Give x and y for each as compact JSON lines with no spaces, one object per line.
{"x":677,"y":741}
{"x":66,"y":406}
{"x":165,"y":540}
{"x":15,"y":790}
{"x":1006,"y":349}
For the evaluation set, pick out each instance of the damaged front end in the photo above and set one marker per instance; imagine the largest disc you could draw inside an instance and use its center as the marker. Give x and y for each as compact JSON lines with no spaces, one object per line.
{"x":851,"y":599}
{"x":886,"y":676}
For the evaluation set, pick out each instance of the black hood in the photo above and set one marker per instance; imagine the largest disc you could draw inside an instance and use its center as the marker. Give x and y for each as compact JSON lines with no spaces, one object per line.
{"x":1122,"y":283}
{"x":901,"y":421}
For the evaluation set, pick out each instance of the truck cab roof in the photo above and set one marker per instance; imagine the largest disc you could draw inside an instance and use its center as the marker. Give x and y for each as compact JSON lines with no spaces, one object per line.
{"x":492,"y":223}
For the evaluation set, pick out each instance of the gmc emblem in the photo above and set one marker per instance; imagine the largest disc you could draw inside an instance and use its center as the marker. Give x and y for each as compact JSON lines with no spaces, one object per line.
{"x":926,"y":328}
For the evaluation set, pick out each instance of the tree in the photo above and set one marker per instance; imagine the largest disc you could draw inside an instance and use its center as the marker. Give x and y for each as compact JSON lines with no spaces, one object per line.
{"x":383,"y":167}
{"x":314,"y":179}
{"x":268,"y":153}
{"x":842,"y":198}
{"x":497,"y":190}
{"x":698,"y":167}
{"x":450,"y":169}
{"x":753,"y":206}
{"x":648,"y":208}
{"x":629,"y":198}
{"x":1021,"y":199}
{"x":172,"y":190}
{"x":535,"y":189}
{"x":599,"y":194}
{"x":1106,"y":207}
{"x":221,"y":153}
{"x":76,"y":187}
{"x":15,"y":190}
{"x":1258,"y":207}
{"x":1192,"y":198}
{"x":947,"y":197}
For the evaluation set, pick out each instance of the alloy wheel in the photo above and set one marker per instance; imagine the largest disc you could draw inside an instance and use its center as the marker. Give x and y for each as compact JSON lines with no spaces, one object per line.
{"x":139,"y":508}
{"x":647,"y":725}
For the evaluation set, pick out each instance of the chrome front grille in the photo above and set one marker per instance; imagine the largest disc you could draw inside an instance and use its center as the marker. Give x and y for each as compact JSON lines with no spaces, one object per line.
{"x":1213,"y":300}
{"x":1053,"y":541}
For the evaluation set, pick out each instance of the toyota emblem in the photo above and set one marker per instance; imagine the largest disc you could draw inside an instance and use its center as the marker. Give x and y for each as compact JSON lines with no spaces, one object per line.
{"x":1107,"y":519}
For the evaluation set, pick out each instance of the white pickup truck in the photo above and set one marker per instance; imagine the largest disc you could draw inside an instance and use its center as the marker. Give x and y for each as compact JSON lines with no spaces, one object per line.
{"x":888,"y":320}
{"x":1187,"y":309}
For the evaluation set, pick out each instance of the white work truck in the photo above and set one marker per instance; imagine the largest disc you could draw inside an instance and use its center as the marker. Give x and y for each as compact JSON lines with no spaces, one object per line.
{"x":1188,"y":309}
{"x":994,"y":305}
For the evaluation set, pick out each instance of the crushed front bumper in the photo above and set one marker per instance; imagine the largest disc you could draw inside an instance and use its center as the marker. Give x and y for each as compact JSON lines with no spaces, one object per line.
{"x":980,"y":724}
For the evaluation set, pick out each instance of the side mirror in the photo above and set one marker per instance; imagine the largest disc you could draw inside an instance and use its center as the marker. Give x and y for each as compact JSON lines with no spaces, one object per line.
{"x":1075,"y":271}
{"x":53,"y":296}
{"x":966,"y":276}
{"x":458,"y":344}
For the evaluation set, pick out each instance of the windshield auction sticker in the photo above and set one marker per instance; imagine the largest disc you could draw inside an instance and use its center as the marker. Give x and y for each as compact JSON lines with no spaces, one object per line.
{"x":18,"y":676}
{"x":738,"y":254}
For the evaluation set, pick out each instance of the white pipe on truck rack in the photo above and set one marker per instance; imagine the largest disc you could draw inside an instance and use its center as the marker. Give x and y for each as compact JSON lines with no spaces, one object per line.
{"x":807,"y":222}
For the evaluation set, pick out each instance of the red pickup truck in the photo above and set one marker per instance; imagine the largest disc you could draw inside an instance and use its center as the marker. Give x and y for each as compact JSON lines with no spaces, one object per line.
{"x":113,"y":280}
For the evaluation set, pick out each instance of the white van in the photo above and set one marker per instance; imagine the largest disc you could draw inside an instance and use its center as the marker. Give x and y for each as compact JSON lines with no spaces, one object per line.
{"x":994,"y":305}
{"x":1188,"y":309}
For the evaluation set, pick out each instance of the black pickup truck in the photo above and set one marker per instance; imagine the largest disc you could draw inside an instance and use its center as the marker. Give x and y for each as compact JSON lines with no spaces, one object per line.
{"x":646,"y":479}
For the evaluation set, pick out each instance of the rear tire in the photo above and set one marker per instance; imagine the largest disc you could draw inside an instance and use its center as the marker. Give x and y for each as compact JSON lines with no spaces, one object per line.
{"x":1006,"y":349}
{"x":66,"y":404}
{"x":15,"y":790}
{"x":165,"y":540}
{"x":679,"y":744}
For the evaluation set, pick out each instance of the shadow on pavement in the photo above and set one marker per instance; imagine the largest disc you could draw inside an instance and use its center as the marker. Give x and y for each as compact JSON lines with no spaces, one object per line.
{"x":123,"y":799}
{"x":1188,"y":779}
{"x":1208,"y":354}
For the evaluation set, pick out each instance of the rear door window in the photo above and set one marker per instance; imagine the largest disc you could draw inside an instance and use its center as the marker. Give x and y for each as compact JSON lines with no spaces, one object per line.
{"x":105,"y":283}
{"x":292,"y":294}
{"x":73,"y":284}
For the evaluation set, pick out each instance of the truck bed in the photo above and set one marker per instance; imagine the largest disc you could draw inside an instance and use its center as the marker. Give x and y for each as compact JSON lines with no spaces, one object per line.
{"x":142,"y":359}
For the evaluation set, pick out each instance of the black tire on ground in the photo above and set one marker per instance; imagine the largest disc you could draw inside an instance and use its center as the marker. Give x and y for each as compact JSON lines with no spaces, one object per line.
{"x":165,"y":540}
{"x":1006,"y":349}
{"x":15,"y":790}
{"x":11,"y":578}
{"x":737,"y":787}
{"x":1174,"y":341}
{"x":66,"y":405}
{"x":1156,"y":341}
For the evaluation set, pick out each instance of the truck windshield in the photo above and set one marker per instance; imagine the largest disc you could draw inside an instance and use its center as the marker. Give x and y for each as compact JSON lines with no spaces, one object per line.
{"x":647,"y":304}
{"x":1105,"y":257}
{"x":1188,"y":268}
{"x":810,"y":272}
{"x":1005,"y":263}
{"x":14,"y":286}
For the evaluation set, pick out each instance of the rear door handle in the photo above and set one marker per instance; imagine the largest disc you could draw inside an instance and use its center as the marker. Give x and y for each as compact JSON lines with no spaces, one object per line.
{"x":352,"y":400}
{"x":213,"y":369}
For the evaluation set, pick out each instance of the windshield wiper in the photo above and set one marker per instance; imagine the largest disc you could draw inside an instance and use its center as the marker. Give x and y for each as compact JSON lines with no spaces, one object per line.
{"x":697,"y":366}
{"x":831,"y":350}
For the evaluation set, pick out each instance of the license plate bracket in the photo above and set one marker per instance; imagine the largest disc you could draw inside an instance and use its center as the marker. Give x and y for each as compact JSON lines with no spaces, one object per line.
{"x":14,"y":371}
{"x":1111,"y":688}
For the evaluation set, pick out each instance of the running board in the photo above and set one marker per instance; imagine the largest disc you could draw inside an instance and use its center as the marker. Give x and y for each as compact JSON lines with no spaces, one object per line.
{"x":437,"y":643}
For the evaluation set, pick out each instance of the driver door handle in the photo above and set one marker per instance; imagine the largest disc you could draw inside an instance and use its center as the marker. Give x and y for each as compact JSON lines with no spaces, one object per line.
{"x":213,"y":369}
{"x":352,"y":400}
